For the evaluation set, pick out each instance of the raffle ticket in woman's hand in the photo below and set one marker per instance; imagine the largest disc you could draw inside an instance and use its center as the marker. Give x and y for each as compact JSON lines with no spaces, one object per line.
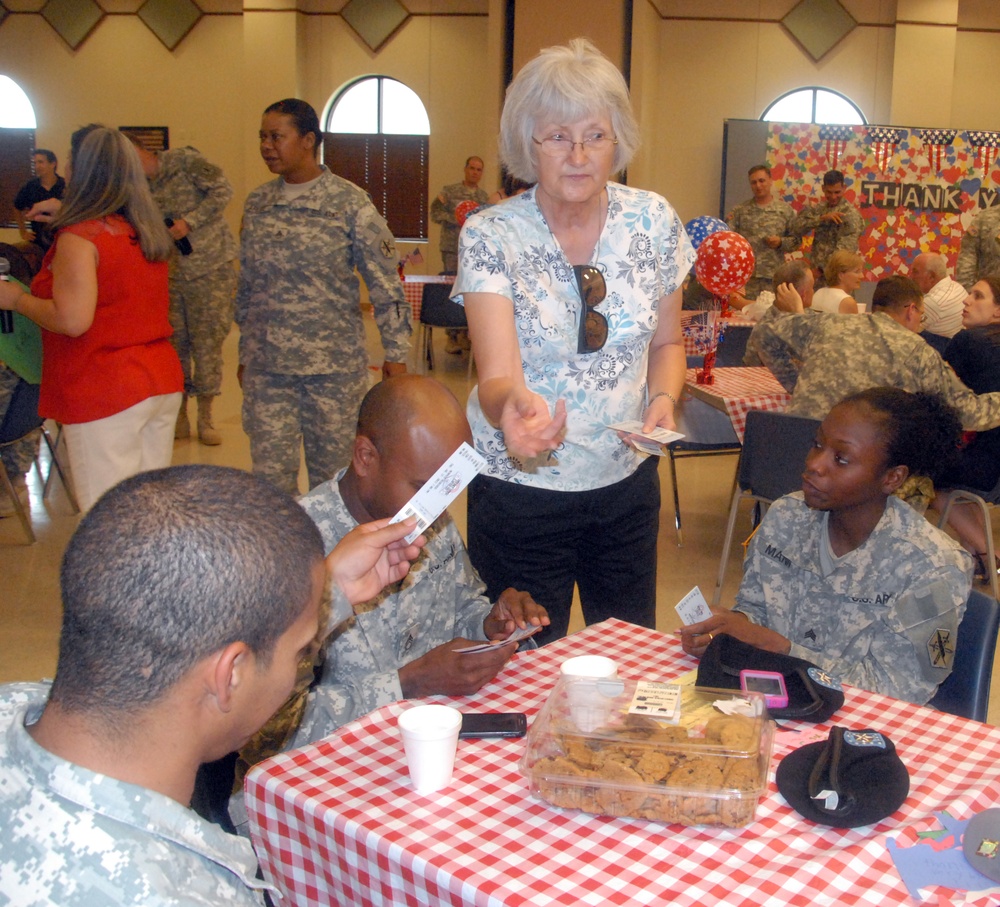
{"x":650,"y":442}
{"x":441,"y":489}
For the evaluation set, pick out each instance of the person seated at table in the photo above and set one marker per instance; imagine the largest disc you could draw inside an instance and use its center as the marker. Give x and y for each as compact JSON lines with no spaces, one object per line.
{"x":974,"y":353}
{"x":844,"y":273}
{"x":793,"y":292}
{"x":844,"y":574}
{"x":400,"y":645}
{"x":821,"y":358}
{"x":183,"y":625}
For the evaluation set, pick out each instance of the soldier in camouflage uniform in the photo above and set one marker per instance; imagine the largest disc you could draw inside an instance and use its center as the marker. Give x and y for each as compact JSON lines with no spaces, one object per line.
{"x":979,"y":255}
{"x":76,"y":835}
{"x":835,"y":224}
{"x":848,"y":577}
{"x":443,"y":210}
{"x":173,"y":649}
{"x":399,"y":644}
{"x":821,"y":358}
{"x":303,"y":362}
{"x":766,"y":224}
{"x":193,"y":194}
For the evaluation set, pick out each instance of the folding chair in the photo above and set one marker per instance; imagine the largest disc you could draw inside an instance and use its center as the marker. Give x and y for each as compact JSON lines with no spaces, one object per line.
{"x":774,"y":452}
{"x":679,"y":450}
{"x":966,"y":692}
{"x":438,"y":311}
{"x":982,"y":500}
{"x":20,"y":420}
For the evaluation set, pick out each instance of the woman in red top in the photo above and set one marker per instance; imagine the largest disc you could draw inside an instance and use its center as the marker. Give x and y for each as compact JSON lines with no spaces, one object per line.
{"x":109,"y":372}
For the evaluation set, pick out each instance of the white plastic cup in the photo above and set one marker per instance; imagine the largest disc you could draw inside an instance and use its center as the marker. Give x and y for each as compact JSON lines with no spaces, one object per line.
{"x":596,"y":666}
{"x":589,"y":708}
{"x":430,"y":738}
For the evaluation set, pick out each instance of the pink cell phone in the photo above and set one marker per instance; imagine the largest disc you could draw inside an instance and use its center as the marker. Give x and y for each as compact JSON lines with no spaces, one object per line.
{"x":770,"y":683}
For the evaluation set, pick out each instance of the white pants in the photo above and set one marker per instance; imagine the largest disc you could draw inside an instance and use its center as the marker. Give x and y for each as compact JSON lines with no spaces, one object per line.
{"x":105,"y":451}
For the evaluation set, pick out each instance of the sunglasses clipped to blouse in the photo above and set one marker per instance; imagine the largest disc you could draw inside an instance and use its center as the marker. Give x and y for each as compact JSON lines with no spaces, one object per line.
{"x":593,"y":325}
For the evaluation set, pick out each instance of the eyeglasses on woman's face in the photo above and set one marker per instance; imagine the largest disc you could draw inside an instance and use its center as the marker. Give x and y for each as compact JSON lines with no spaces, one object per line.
{"x":561,"y":144}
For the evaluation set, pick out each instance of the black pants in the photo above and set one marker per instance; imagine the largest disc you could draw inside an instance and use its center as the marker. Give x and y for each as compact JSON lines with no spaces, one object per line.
{"x":544,"y":542}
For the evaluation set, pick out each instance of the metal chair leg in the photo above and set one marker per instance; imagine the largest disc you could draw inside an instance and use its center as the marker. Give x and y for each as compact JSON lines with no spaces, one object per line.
{"x":18,"y":506}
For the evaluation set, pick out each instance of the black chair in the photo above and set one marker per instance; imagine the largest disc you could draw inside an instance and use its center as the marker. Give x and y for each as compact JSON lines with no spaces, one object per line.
{"x":20,"y":420}
{"x":733,"y":346}
{"x":966,"y":692}
{"x":774,"y":452}
{"x":438,"y":311}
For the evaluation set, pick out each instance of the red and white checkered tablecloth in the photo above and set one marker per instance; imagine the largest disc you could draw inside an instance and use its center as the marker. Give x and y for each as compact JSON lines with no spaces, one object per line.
{"x":338,"y":822}
{"x":739,"y":390}
{"x":413,"y":290}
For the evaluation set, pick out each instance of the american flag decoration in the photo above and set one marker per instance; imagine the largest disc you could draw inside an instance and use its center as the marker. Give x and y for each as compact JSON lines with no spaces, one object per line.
{"x":936,"y":142}
{"x":836,"y":138}
{"x":986,"y":144}
{"x":884,"y":140}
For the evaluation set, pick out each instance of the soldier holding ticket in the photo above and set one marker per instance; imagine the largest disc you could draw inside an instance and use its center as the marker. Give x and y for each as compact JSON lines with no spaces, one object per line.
{"x":407,"y":642}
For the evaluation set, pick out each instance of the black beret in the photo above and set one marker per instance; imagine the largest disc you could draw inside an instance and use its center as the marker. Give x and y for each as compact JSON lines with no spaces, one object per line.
{"x":852,"y":778}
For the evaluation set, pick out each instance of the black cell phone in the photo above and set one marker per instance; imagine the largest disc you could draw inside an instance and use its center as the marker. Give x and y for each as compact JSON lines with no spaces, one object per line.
{"x":494,"y":724}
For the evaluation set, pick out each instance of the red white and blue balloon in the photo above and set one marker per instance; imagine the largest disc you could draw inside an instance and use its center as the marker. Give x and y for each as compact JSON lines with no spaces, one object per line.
{"x":724,"y":263}
{"x":700,"y":227}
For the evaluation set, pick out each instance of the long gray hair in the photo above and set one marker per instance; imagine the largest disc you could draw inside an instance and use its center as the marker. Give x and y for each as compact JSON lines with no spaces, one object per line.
{"x":107,"y":178}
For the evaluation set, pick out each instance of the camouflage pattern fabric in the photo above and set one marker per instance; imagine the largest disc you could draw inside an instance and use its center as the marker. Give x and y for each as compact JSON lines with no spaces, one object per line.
{"x":284,"y":413}
{"x":74,"y":838}
{"x":443,"y":213}
{"x":979,"y":255}
{"x":201,"y":314}
{"x":883,"y":617}
{"x":755,"y":223}
{"x":821,"y":358}
{"x":441,"y":598}
{"x":17,"y":458}
{"x":202,"y":284}
{"x":298,"y":308}
{"x":828,"y":237}
{"x":298,"y":299}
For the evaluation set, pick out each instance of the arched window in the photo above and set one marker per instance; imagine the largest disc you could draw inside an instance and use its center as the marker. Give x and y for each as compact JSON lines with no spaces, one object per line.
{"x":814,"y":105}
{"x":375,"y":134}
{"x":17,"y":142}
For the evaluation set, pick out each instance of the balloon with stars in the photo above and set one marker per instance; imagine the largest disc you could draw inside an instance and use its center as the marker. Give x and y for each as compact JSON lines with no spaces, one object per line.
{"x":724,"y":263}
{"x":464,"y":209}
{"x":699,"y":228}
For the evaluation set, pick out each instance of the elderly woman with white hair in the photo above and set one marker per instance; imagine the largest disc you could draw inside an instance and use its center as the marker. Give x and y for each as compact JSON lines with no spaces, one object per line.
{"x":572,"y":293}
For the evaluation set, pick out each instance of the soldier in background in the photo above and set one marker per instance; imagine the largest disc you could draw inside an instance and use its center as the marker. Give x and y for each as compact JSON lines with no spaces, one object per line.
{"x":443,"y":212}
{"x":765,"y":222}
{"x":193,"y":194}
{"x":979,"y":255}
{"x":835,"y":224}
{"x":183,"y":624}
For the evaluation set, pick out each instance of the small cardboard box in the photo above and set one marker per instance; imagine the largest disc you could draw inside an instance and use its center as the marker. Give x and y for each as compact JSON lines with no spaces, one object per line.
{"x":595,"y":747}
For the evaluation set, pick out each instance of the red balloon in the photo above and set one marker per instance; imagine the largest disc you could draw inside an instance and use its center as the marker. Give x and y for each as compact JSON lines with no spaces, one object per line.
{"x":724,"y":263}
{"x":464,"y":209}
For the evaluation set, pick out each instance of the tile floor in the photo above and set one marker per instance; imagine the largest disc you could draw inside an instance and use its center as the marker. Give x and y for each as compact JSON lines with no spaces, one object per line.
{"x":29,"y":575}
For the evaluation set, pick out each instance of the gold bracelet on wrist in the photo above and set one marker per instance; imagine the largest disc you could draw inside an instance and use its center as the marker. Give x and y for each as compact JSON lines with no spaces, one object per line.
{"x":666,"y":394}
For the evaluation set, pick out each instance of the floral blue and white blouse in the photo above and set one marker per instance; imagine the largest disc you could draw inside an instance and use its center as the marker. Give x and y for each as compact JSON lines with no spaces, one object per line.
{"x":644,"y":254}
